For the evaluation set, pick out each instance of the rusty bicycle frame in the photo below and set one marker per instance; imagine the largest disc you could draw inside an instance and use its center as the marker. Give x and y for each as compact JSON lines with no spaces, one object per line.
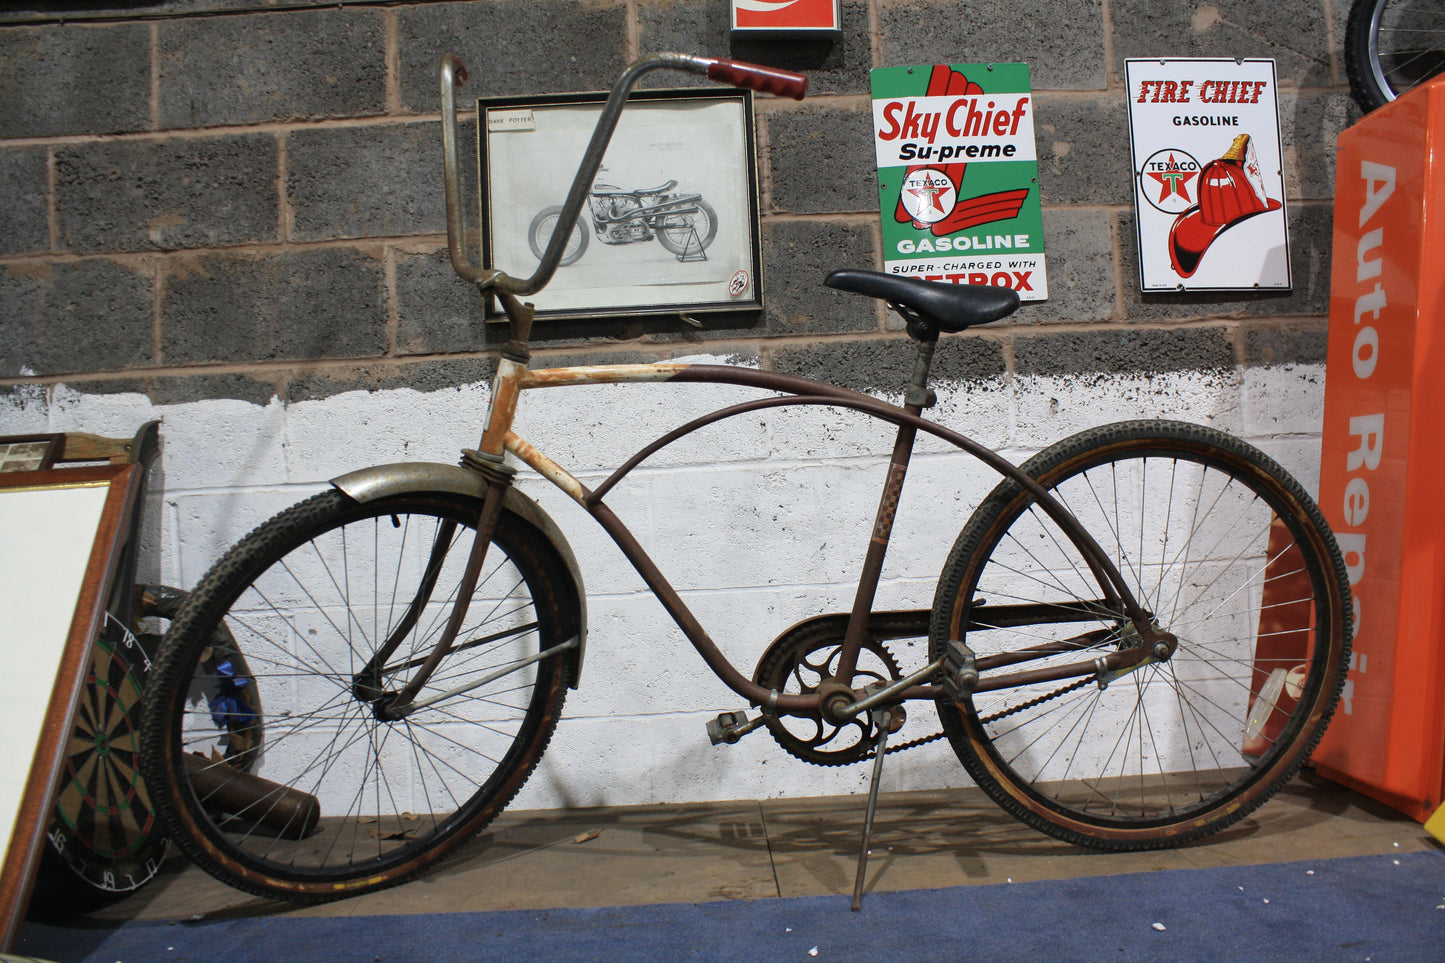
{"x":953,"y":675}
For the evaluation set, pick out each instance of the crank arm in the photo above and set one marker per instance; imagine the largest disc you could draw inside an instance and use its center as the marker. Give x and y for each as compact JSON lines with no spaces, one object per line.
{"x":888,"y":693}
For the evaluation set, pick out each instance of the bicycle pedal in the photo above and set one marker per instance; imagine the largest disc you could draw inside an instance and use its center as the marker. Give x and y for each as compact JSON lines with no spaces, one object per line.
{"x":729,"y":727}
{"x":960,"y":677}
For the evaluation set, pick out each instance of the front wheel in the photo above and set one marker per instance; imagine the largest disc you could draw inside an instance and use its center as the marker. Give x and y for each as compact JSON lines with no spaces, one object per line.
{"x":540,"y":234}
{"x":345,"y":798}
{"x":689,"y":234}
{"x":1392,"y":46}
{"x":1224,"y":550}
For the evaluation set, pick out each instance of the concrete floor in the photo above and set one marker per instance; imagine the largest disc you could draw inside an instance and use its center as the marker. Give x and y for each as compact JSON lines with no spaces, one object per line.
{"x":782,"y":847}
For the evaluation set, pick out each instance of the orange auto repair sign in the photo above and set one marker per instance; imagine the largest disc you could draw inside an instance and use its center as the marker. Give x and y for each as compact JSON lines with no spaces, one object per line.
{"x":786,"y":16}
{"x":1383,"y":457}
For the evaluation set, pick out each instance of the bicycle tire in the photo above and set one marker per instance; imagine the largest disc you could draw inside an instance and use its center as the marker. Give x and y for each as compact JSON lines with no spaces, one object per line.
{"x":1391,"y":47}
{"x":685,"y":226}
{"x":539,"y":235}
{"x":308,"y":596}
{"x":1201,"y":525}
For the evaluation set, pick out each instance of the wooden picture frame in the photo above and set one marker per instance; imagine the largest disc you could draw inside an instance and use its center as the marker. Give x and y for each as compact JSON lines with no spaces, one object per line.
{"x":61,"y":532}
{"x":670,"y":226}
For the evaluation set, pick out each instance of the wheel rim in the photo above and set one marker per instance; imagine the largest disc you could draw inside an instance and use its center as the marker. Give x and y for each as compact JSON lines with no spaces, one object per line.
{"x":391,"y":794}
{"x":543,"y":235}
{"x":1173,"y":740}
{"x":688,"y":234}
{"x":1406,"y":46}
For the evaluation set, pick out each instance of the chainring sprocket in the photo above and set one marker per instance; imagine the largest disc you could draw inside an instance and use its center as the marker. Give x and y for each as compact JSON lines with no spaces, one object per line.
{"x":794,"y":664}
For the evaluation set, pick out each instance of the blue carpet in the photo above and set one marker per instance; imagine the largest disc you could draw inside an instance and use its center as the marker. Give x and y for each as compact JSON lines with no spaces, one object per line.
{"x":1368,"y":908}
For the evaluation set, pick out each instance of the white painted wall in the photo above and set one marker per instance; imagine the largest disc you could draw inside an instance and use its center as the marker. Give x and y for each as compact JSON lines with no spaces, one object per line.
{"x":760,"y":521}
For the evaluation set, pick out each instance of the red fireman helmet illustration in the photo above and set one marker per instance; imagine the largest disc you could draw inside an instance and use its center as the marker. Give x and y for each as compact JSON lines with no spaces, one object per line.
{"x":1231,"y":190}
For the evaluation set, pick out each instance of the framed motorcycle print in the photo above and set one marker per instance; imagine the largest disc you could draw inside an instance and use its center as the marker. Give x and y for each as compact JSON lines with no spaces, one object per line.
{"x":670,"y":223}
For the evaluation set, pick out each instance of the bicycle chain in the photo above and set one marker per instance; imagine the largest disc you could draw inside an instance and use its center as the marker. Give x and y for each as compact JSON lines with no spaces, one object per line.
{"x":908,"y":745}
{"x":1087,"y":680}
{"x":914,"y":744}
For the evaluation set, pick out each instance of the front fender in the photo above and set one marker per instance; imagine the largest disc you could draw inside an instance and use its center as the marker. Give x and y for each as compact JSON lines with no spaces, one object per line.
{"x":382,"y":481}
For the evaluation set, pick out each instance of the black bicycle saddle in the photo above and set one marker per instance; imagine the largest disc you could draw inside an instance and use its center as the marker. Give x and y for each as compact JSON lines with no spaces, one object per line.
{"x":940,"y":304}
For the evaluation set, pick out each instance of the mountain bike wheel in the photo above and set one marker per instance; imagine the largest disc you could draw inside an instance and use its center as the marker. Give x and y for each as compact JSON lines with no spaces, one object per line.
{"x":310,"y":596}
{"x":1392,"y":46}
{"x":539,"y":235}
{"x":1224,"y":550}
{"x":688,"y":234}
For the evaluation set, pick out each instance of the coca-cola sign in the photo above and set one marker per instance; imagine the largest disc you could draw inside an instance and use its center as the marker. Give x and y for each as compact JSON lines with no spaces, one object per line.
{"x":787,"y":16}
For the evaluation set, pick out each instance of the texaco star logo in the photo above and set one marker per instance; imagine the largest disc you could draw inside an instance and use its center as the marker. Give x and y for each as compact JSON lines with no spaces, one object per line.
{"x":928,"y":195}
{"x":1168,"y":180}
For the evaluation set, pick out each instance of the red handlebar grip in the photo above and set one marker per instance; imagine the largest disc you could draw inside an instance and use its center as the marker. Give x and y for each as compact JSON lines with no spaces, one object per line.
{"x":459,"y":69}
{"x":770,"y":80}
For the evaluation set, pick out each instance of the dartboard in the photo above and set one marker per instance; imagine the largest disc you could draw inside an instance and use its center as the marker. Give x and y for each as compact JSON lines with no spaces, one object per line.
{"x":103,"y":826}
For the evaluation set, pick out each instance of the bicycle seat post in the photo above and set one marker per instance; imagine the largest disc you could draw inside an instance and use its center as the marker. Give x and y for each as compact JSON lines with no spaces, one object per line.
{"x":917,"y":396}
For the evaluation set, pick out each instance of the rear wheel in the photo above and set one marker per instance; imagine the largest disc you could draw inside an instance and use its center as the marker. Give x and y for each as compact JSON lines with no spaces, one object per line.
{"x":689,"y":234}
{"x":1225,"y":551}
{"x":1392,"y":46}
{"x":343,"y":799}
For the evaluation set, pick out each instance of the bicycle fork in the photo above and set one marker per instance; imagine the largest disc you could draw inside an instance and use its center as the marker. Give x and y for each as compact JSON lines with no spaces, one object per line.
{"x":488,"y":463}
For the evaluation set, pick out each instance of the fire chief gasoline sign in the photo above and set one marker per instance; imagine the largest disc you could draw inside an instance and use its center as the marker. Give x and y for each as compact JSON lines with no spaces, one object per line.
{"x":958,"y":175}
{"x":1208,"y":181}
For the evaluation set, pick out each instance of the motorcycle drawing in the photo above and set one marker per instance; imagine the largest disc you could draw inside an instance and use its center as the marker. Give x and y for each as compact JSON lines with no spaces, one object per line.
{"x":684,"y":224}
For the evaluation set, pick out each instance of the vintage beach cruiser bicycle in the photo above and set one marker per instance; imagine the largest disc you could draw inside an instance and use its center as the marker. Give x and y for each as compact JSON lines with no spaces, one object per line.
{"x":1137,"y":638}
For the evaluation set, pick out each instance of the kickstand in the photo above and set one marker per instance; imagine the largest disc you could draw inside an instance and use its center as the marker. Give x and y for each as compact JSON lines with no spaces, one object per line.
{"x":882,"y":718}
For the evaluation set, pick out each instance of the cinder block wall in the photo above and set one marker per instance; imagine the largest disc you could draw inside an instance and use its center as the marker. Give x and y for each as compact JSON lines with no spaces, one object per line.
{"x":228,"y":214}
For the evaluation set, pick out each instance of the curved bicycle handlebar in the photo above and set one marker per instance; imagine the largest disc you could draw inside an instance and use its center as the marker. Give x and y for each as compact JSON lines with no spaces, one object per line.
{"x":453,"y":74}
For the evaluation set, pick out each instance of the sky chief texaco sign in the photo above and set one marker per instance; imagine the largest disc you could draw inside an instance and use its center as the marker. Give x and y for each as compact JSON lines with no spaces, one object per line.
{"x":958,"y":173}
